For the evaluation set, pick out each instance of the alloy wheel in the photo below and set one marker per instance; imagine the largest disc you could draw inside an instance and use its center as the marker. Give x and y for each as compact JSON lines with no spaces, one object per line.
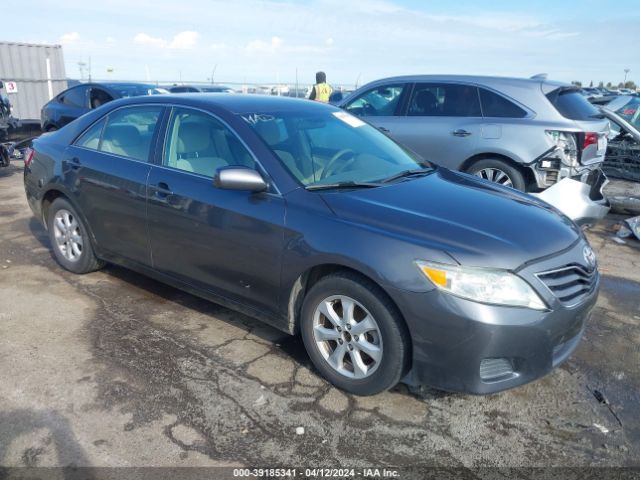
{"x":66,"y":231}
{"x":347,"y":336}
{"x":495,"y":175}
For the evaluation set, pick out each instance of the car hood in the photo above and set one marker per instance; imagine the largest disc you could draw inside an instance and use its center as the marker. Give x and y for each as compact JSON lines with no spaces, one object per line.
{"x":476,"y":222}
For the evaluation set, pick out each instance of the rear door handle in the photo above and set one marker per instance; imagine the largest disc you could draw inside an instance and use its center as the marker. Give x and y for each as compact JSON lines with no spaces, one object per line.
{"x":384,"y":130}
{"x":461,"y":133}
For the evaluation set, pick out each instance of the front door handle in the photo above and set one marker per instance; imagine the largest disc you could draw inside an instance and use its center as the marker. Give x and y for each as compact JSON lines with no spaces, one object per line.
{"x":461,"y":133}
{"x":384,"y":130}
{"x":162,"y":190}
{"x":75,"y":163}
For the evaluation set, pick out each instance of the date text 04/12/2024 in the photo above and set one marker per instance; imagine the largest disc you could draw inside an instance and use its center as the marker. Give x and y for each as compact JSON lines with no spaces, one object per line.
{"x":315,"y":472}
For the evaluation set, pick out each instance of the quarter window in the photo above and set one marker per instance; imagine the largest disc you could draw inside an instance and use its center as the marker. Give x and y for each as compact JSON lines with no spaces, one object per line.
{"x":199,"y":143}
{"x":129,"y":132}
{"x":91,"y":138}
{"x":572,"y":105}
{"x":444,"y":100}
{"x":494,"y":105}
{"x":379,"y":102}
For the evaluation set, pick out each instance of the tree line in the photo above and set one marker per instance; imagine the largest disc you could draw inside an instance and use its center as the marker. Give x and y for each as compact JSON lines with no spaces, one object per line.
{"x":628,"y":84}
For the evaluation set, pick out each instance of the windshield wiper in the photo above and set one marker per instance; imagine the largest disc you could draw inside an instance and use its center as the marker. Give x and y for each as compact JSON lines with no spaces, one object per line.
{"x":338,"y":185}
{"x":407,"y":173}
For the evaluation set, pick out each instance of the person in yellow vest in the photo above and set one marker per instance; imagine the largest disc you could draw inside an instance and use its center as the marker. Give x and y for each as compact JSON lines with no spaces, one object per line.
{"x":321,"y":91}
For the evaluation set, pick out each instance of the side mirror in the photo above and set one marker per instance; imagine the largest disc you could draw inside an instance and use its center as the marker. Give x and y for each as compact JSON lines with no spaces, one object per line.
{"x":336,"y":97}
{"x":239,"y":178}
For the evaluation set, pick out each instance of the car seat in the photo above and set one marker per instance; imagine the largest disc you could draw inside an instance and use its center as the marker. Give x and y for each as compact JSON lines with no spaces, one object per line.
{"x":125,"y":140}
{"x":270,"y":133}
{"x":425,"y":103}
{"x":195,"y":150}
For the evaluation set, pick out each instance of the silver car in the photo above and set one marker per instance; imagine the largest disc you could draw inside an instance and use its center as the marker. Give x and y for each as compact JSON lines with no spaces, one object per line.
{"x":524,"y":133}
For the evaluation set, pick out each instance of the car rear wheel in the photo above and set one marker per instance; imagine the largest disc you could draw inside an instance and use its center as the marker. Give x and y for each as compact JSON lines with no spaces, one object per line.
{"x":354,"y":335}
{"x":69,"y":239}
{"x":500,"y":172}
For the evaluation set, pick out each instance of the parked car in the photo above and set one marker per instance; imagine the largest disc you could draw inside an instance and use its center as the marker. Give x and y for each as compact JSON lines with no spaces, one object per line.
{"x":78,"y":100}
{"x":623,"y":151}
{"x":524,"y":133}
{"x":592,"y":92}
{"x":304,"y":216}
{"x":626,"y":91}
{"x":202,"y":88}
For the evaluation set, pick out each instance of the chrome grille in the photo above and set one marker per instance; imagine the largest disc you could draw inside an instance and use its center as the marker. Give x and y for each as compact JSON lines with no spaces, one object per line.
{"x":570,"y":283}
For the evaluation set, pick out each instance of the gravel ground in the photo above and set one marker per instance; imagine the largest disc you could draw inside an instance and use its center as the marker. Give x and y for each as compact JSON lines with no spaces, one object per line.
{"x":115,"y":369}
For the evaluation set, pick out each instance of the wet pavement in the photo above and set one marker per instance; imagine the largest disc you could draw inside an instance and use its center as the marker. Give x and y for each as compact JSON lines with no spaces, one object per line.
{"x":115,"y":369}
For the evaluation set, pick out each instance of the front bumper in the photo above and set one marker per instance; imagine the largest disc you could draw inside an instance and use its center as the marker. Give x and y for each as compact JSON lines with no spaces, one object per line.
{"x":580,"y":198}
{"x":460,"y":345}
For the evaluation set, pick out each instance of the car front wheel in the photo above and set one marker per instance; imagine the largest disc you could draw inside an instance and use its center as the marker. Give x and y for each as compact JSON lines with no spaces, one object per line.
{"x":354,"y":335}
{"x":70,"y":239}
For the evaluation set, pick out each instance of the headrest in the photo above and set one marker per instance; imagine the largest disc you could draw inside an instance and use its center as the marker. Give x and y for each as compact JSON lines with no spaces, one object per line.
{"x":122,"y":135}
{"x":426,"y":99}
{"x":269,"y":131}
{"x":193,"y":137}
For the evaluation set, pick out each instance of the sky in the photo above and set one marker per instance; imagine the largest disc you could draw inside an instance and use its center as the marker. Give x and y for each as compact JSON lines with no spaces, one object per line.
{"x":353,"y":41}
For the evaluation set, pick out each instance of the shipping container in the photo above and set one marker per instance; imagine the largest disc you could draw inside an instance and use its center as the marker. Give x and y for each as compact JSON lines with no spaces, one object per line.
{"x":32,"y":75}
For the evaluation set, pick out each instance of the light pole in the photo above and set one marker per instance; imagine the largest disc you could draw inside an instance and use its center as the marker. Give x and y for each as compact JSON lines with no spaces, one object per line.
{"x":626,"y":71}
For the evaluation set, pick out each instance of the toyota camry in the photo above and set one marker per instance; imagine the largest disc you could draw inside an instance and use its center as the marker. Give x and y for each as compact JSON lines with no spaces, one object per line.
{"x":294,"y":212}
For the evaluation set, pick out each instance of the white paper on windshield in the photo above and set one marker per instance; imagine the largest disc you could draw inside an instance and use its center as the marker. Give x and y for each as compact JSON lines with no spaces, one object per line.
{"x":349,"y":119}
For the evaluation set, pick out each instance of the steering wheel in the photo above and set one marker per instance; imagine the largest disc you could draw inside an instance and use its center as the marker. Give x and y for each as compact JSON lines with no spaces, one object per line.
{"x":369,"y":110}
{"x":333,"y":165}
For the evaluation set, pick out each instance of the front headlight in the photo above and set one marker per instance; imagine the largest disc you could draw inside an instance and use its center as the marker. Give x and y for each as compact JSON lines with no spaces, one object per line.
{"x":482,"y":285}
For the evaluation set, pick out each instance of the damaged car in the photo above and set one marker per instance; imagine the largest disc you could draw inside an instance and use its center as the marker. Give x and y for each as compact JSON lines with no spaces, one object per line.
{"x":526,"y":133}
{"x":623,"y":151}
{"x":523,"y":133}
{"x":297,"y":213}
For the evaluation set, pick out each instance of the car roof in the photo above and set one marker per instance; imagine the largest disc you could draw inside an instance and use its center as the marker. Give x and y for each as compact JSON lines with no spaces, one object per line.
{"x":114,"y":85}
{"x":200,"y":85}
{"x":479,"y":79}
{"x":249,"y":103}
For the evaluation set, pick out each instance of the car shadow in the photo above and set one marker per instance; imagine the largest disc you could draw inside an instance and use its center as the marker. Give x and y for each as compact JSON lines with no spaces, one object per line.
{"x":9,"y":171}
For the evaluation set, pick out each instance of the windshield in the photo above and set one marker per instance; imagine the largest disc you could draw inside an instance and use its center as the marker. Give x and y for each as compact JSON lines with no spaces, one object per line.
{"x":630,"y":111}
{"x":331,"y":147}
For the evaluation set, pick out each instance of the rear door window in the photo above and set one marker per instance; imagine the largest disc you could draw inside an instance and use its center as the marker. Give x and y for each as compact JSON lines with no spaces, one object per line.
{"x":129,"y":132}
{"x":379,"y":102}
{"x":444,"y":100}
{"x":76,"y":97}
{"x":572,"y":105}
{"x":494,"y":105}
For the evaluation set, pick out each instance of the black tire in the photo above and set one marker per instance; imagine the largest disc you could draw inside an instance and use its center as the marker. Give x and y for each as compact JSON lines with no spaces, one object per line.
{"x":394,"y":336}
{"x":85,"y":261}
{"x":514,"y":175}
